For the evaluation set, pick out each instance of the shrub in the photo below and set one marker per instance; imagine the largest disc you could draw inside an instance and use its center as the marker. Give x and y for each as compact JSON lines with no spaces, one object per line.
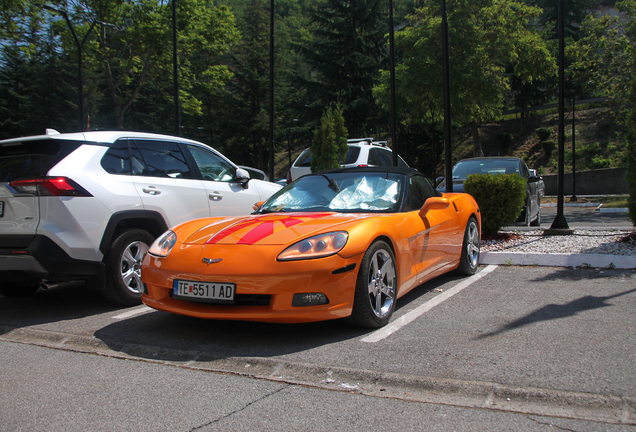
{"x":543,"y":133}
{"x":500,"y":197}
{"x":504,"y":141}
{"x":548,"y":146}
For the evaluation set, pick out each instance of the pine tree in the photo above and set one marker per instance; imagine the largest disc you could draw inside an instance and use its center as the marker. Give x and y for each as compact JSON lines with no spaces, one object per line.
{"x":329,"y":147}
{"x":346,"y":53}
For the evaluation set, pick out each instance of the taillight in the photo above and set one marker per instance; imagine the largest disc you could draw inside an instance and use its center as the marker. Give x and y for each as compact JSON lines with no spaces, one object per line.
{"x":362,"y":166}
{"x":289,"y":180}
{"x":50,"y":186}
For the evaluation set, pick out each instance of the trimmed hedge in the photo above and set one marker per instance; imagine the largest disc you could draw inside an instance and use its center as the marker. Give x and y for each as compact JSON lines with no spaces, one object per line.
{"x":501,"y":198}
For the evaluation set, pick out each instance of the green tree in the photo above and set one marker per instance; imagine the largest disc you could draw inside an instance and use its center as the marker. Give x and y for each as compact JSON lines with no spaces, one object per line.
{"x":487,"y":38}
{"x":329,"y":147}
{"x":346,"y":52}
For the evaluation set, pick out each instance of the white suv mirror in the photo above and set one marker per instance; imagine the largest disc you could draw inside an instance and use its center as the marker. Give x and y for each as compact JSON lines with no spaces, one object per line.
{"x":242,"y":177}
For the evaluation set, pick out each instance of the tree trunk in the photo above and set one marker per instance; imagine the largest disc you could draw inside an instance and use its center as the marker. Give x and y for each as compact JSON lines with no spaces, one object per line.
{"x":477,"y":151}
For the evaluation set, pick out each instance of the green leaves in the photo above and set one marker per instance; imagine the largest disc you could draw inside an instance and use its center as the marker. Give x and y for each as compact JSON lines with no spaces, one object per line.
{"x":329,"y":147}
{"x":500,"y":197}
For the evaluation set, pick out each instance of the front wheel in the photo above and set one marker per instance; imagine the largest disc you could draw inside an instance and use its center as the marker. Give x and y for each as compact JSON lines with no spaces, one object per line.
{"x":123,"y":267}
{"x":376,"y":287}
{"x":469,"y":260}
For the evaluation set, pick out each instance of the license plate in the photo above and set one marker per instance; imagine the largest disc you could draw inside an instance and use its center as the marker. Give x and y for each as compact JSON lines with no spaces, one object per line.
{"x":1,"y":208}
{"x":208,"y":292}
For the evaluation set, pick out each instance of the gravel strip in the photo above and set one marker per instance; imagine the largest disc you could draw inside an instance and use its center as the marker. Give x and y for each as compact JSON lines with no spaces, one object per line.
{"x":612,"y":242}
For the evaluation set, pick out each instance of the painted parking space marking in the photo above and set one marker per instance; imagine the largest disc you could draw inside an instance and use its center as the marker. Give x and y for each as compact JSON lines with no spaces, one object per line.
{"x":405,"y":319}
{"x":134,"y":312}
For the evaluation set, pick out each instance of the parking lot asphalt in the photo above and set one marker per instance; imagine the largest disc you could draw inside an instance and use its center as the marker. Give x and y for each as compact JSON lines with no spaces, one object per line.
{"x":578,"y":217}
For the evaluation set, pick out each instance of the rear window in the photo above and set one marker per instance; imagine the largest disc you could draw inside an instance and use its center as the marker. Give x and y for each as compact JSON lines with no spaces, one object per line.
{"x":32,"y":159}
{"x":304,"y":160}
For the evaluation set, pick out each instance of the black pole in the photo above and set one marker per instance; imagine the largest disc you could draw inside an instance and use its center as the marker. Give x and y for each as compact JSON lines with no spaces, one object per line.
{"x":80,"y":80}
{"x":175,"y":71}
{"x":394,"y":142}
{"x":573,"y":198}
{"x":448,"y":153}
{"x":559,"y":221}
{"x":271,"y":90}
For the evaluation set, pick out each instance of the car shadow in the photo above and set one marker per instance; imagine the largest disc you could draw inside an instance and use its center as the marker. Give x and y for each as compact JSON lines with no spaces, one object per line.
{"x":62,"y":302}
{"x":170,"y":337}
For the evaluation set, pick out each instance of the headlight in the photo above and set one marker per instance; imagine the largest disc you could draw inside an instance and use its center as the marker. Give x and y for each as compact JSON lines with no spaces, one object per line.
{"x":163,"y":245}
{"x":315,"y":247}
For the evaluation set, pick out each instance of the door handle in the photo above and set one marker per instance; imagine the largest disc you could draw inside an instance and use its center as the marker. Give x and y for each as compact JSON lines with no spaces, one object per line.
{"x":151,"y":190}
{"x":215,"y":196}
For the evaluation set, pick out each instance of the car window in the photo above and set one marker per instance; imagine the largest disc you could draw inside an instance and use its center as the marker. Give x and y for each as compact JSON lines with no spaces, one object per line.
{"x":162,"y":159}
{"x":304,"y":160}
{"x":352,"y":155}
{"x":374,"y":157}
{"x":386,"y":157}
{"x":117,"y":159}
{"x":212,"y":166}
{"x":28,"y":159}
{"x":419,"y":191}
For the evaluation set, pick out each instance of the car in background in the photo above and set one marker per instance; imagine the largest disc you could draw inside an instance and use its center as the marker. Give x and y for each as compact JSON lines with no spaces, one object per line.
{"x":531,"y":213}
{"x":541,"y":185}
{"x":362,"y":152}
{"x":87,"y":205}
{"x":255,"y":173}
{"x":337,"y":244}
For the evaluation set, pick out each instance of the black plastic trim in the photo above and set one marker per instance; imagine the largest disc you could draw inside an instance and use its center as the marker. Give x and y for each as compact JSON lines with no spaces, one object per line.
{"x":132,"y":219}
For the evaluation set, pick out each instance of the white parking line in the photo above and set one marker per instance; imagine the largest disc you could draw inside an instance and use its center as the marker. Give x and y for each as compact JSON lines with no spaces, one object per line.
{"x":391,"y":328}
{"x":134,"y":312}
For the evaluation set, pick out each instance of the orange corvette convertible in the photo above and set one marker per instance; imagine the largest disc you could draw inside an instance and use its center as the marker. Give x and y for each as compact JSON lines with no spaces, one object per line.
{"x":343,"y":243}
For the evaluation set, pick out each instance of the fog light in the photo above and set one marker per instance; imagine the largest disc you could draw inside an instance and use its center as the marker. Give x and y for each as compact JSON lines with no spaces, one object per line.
{"x":309,"y":299}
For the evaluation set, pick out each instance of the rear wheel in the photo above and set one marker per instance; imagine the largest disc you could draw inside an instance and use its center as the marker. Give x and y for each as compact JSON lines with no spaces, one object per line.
{"x":469,"y":260}
{"x":376,"y":288}
{"x":123,"y":267}
{"x":537,"y":221}
{"x":17,"y":289}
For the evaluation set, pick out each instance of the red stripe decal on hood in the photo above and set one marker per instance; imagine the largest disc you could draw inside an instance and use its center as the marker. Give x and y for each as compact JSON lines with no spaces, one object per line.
{"x":264,"y":227}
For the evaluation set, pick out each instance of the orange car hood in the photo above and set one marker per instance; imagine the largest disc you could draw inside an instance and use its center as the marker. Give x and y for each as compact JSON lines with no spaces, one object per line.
{"x":270,"y":229}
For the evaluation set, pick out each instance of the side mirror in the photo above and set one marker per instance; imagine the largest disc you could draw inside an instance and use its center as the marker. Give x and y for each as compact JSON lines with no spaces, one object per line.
{"x":434,"y":203}
{"x":242,"y":177}
{"x":438,"y":180}
{"x":258,"y":205}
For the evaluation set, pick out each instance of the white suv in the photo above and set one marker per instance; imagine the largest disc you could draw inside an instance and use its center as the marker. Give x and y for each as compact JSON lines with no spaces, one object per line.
{"x":362,"y":152}
{"x":87,"y":205}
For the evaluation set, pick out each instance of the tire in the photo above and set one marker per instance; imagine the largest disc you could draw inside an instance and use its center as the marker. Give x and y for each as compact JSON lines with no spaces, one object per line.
{"x":537,"y":221}
{"x":376,"y":287}
{"x":16,"y":289}
{"x":123,"y":267}
{"x":469,"y":260}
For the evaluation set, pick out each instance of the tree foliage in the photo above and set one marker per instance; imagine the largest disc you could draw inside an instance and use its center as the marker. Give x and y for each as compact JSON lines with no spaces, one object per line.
{"x":329,"y":147}
{"x":345,"y":53}
{"x":487,"y":39}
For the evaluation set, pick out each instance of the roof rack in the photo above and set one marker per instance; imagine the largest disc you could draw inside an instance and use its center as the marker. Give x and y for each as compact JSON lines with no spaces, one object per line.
{"x":368,"y":141}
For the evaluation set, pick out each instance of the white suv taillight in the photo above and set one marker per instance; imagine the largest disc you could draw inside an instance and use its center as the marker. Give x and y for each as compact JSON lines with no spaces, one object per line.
{"x":289,"y":179}
{"x":50,"y":186}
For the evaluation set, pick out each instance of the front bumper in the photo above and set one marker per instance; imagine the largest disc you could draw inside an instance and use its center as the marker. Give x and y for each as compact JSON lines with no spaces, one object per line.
{"x":256,"y":273}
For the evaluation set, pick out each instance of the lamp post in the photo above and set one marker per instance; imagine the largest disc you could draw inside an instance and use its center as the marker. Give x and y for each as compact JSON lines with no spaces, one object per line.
{"x":175,"y":71}
{"x":80,"y":45}
{"x":394,"y":142}
{"x":448,"y":155}
{"x":560,"y":225}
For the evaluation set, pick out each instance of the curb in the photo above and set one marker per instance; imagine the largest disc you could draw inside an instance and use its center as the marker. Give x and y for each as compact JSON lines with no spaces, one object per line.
{"x":558,"y":260}
{"x":609,"y":409}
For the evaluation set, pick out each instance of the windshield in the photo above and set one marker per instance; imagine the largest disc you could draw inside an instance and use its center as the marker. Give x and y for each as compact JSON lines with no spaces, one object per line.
{"x":342,"y":192}
{"x":494,"y":166}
